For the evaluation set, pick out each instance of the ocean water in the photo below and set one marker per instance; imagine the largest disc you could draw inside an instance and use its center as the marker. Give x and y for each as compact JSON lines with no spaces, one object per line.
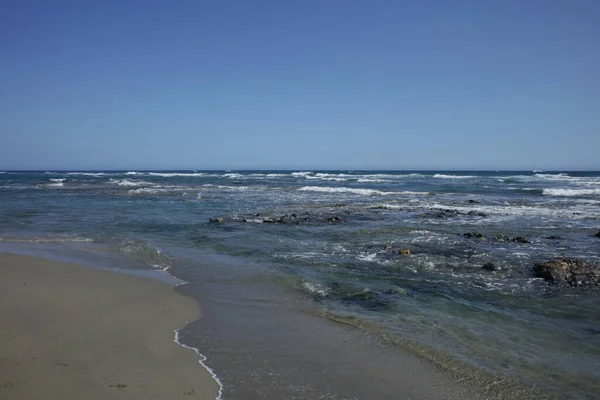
{"x":291,"y":248}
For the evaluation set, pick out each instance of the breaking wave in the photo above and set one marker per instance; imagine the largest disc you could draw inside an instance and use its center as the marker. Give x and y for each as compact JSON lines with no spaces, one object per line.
{"x":571,"y":192}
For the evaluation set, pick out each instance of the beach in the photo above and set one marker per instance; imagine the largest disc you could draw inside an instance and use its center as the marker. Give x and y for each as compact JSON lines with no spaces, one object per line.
{"x":321,"y":284}
{"x":73,"y":332}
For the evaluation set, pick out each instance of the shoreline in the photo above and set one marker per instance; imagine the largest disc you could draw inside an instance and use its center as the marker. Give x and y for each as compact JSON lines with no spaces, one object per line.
{"x":74,"y":331}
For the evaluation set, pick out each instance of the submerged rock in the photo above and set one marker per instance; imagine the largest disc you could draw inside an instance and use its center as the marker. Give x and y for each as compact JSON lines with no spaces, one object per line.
{"x":215,"y":220}
{"x":366,"y":299}
{"x":597,"y":234}
{"x":472,"y":201}
{"x":473,"y":235}
{"x":437,"y":213}
{"x":569,"y":271}
{"x":553,"y":237}
{"x":506,"y":238}
{"x":449,"y":213}
{"x":477,"y":213}
{"x":490,"y":266}
{"x":404,"y":252}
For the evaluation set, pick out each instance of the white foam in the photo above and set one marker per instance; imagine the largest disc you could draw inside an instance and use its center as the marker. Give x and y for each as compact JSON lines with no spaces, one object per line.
{"x":148,"y":190}
{"x":326,"y":189}
{"x":326,"y":177}
{"x":202,"y":362}
{"x":236,"y":188}
{"x":443,"y":176}
{"x":176,"y":174}
{"x":582,"y":211}
{"x":571,"y":192}
{"x":58,"y":179}
{"x":303,"y":173}
{"x":94,"y":174}
{"x":57,"y":184}
{"x":371,"y":180}
{"x":553,"y":176}
{"x":316,"y":288}
{"x":364,"y":192}
{"x":367,"y":256}
{"x":232,"y":176}
{"x":127,"y":182}
{"x":56,"y":239}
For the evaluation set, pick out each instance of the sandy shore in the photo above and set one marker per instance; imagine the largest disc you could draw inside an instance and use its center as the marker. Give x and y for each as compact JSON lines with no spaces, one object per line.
{"x":75,"y":332}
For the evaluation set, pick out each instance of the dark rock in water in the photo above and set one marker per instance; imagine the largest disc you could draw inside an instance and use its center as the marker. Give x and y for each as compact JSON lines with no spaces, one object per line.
{"x":271,"y":220}
{"x":335,"y":218}
{"x":448,"y":213}
{"x":515,"y":239}
{"x":597,"y":234}
{"x":477,"y":213}
{"x":436,"y":213}
{"x":474,"y":201}
{"x":490,"y":266}
{"x":569,"y":271}
{"x":368,"y":299}
{"x":215,"y":220}
{"x":553,"y":237}
{"x":473,"y":235}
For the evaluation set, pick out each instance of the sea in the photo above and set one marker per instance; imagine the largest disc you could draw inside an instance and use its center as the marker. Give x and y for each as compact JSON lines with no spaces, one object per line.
{"x":314,"y":284}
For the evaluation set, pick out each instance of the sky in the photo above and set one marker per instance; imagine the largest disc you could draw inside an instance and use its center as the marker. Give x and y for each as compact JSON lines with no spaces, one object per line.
{"x":323,"y":84}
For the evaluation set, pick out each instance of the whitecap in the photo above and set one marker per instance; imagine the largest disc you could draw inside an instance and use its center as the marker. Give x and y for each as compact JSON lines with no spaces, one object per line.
{"x":127,"y":182}
{"x":366,"y":192}
{"x":371,"y":180}
{"x":571,"y":192}
{"x":176,"y":174}
{"x":58,"y":179}
{"x":235,"y":188}
{"x":367,"y":257}
{"x":560,"y":176}
{"x":316,"y":288}
{"x":232,"y":176}
{"x":443,"y":176}
{"x":300,"y":174}
{"x":94,"y":174}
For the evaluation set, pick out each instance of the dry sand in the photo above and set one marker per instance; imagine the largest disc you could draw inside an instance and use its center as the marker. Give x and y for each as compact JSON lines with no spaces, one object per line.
{"x":75,"y":332}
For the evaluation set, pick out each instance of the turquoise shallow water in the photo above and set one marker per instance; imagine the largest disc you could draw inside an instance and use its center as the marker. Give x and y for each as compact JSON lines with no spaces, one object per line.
{"x":337,"y":247}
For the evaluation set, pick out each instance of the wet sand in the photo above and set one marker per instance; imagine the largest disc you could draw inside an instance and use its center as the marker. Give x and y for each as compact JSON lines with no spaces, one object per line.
{"x":75,"y":332}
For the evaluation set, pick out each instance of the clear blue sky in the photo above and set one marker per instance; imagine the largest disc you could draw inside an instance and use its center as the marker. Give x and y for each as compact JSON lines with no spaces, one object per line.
{"x":300,"y":84}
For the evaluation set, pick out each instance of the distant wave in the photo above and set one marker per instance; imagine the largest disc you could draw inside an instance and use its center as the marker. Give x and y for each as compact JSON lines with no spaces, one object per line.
{"x":58,"y":179}
{"x":235,"y":188}
{"x":443,"y":176}
{"x":571,"y":192}
{"x":233,"y":175}
{"x":364,"y":192}
{"x":128,"y":182}
{"x":94,"y":174}
{"x":303,"y":173}
{"x":148,"y":190}
{"x":371,"y":180}
{"x":553,"y":176}
{"x":176,"y":174}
